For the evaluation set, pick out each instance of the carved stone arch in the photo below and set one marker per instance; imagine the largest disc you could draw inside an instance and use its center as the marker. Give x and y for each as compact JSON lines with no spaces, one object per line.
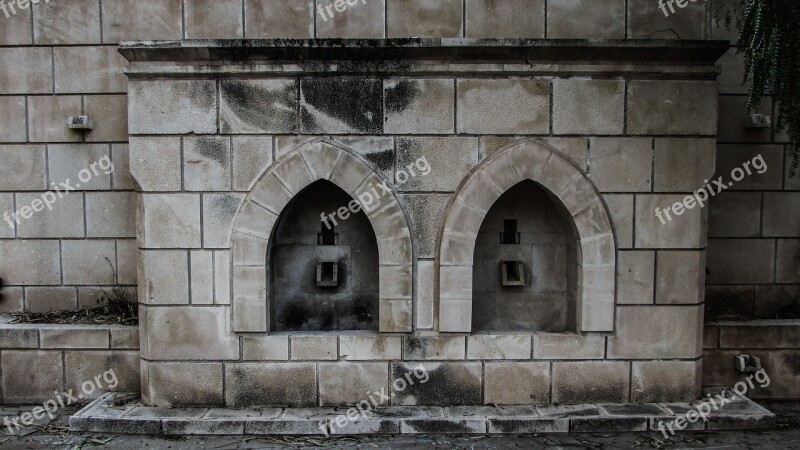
{"x":319,"y":159}
{"x":537,"y":161}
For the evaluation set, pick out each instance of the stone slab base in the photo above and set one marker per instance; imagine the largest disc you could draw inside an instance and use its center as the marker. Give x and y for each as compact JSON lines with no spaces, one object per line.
{"x":117,"y":413}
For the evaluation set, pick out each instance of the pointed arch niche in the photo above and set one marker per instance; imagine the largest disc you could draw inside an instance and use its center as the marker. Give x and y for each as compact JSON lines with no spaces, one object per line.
{"x":534,"y":160}
{"x":253,"y":230}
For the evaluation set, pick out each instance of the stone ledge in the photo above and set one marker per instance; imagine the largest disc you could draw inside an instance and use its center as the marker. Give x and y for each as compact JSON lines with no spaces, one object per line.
{"x":116,"y":413}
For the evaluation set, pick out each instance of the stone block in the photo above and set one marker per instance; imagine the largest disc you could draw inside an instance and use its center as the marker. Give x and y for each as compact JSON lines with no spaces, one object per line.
{"x":516,"y":383}
{"x":424,"y":18}
{"x":26,"y":70}
{"x":258,"y":106}
{"x":505,"y":19}
{"x":583,"y":106}
{"x":732,"y":64}
{"x":106,"y":371}
{"x":23,"y":168}
{"x":14,"y":128}
{"x":567,"y":19}
{"x":368,"y":348}
{"x":213,"y":19}
{"x":32,"y":262}
{"x":427,"y":212}
{"x":219,"y":211}
{"x":12,"y":301}
{"x":249,"y":314}
{"x":502,"y":106}
{"x":735,"y":214}
{"x":568,"y":346}
{"x":122,"y":179}
{"x":732,"y":121}
{"x":646,"y":20}
{"x":419,"y":106}
{"x":18,"y":336}
{"x":190,"y":333}
{"x":307,"y":348}
{"x":635,"y":275}
{"x":8,"y":227}
{"x":621,"y":164}
{"x":274,"y":384}
{"x":152,"y":20}
{"x":64,"y":220}
{"x":73,"y":337}
{"x":498,"y":347}
{"x":265,"y":348}
{"x":362,"y":378}
{"x":648,"y":332}
{"x":672,"y":107}
{"x":779,"y":216}
{"x":787,"y":270}
{"x":222,"y":278}
{"x":251,"y":156}
{"x":356,"y":109}
{"x":443,"y":426}
{"x":365,"y":19}
{"x":87,"y":261}
{"x":80,"y":164}
{"x":710,"y":336}
{"x":740,"y":261}
{"x":608,"y":424}
{"x":760,"y":335}
{"x":661,"y":381}
{"x":434,"y":347}
{"x":201,"y":269}
{"x":502,"y":425}
{"x":164,"y":278}
{"x":47,"y":118}
{"x":31,"y":376}
{"x":734,"y":298}
{"x":730,"y":157}
{"x":171,"y":221}
{"x":687,"y":230}
{"x":455,"y":316}
{"x":110,"y":214}
{"x":110,"y":116}
{"x":278,"y":19}
{"x":47,"y":299}
{"x":17,"y":29}
{"x":125,"y":338}
{"x":396,"y":282}
{"x":680,"y":277}
{"x":590,"y":382}
{"x":425,"y":294}
{"x":67,"y":23}
{"x":207,"y":163}
{"x":449,"y":160}
{"x":173,"y":106}
{"x":437,"y":383}
{"x":155,"y":163}
{"x":126,"y":261}
{"x":683,"y":164}
{"x":94,"y":70}
{"x":185,"y":384}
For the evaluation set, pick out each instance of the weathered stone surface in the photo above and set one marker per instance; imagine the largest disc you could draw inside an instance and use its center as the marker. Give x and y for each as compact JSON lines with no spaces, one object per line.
{"x":735,"y":214}
{"x":419,"y":106}
{"x":64,"y":220}
{"x":81,"y":164}
{"x":107,"y":371}
{"x":90,"y":70}
{"x":26,"y":70}
{"x":270,"y":384}
{"x":314,"y":347}
{"x":620,"y":208}
{"x":635,"y":272}
{"x":424,"y":18}
{"x":270,"y":19}
{"x":682,"y":165}
{"x":47,"y":118}
{"x":659,"y":381}
{"x":13,"y":129}
{"x":443,"y":426}
{"x":779,"y":365}
{"x":213,"y":19}
{"x":23,"y":168}
{"x":687,"y":230}
{"x":434,"y":347}
{"x":621,"y":164}
{"x":672,"y":107}
{"x":30,"y":376}
{"x":69,"y":23}
{"x":201,"y":267}
{"x":171,"y":221}
{"x":761,"y":334}
{"x":447,"y":384}
{"x":649,"y":332}
{"x":356,"y":109}
{"x":498,"y":347}
{"x":449,"y":159}
{"x":732,"y":120}
{"x":251,"y":156}
{"x":680,"y":277}
{"x":725,"y":264}
{"x":47,"y":299}
{"x":35,"y":262}
{"x":427,"y":212}
{"x":425,"y":294}
{"x":583,"y":106}
{"x":786,"y":270}
{"x":202,"y":333}
{"x":155,"y":163}
{"x":258,"y":106}
{"x":17,"y":29}
{"x":124,"y":337}
{"x":154,"y":20}
{"x":366,"y":347}
{"x":362,"y":378}
{"x":265,"y":348}
{"x":516,"y":383}
{"x":173,"y":106}
{"x":777,"y":222}
{"x":505,"y":18}
{"x":18,"y":336}
{"x":568,"y":346}
{"x":503,"y":106}
{"x":590,"y":382}
{"x":218,"y":214}
{"x":364,"y":19}
{"x":730,"y":157}
{"x":88,"y":261}
{"x":646,"y":20}
{"x":73,"y":336}
{"x":207,"y":163}
{"x":127,"y":261}
{"x":195,"y":384}
{"x":164,"y":278}
{"x":527,"y":425}
{"x":109,"y":114}
{"x":12,"y":300}
{"x":109,"y":214}
{"x":567,"y":19}
{"x":608,"y":424}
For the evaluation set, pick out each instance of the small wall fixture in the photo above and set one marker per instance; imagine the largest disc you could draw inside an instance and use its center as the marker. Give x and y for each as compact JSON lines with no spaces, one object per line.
{"x":327,"y":274}
{"x":759,"y":121}
{"x":512,"y":273}
{"x":80,"y":122}
{"x":747,"y":363}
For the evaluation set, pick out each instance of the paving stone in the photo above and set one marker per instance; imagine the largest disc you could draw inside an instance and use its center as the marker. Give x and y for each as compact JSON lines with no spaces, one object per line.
{"x":590,"y":381}
{"x":362,"y":378}
{"x":31,"y":376}
{"x":588,"y":106}
{"x":207,"y":163}
{"x":637,"y":410}
{"x":154,"y":20}
{"x":672,"y":107}
{"x":443,"y":426}
{"x":68,"y":23}
{"x":371,"y":427}
{"x":514,"y":383}
{"x":282,"y":427}
{"x":155,"y":163}
{"x":112,"y":426}
{"x":182,"y":427}
{"x":14,"y":128}
{"x":213,"y":19}
{"x":607,"y":424}
{"x":498,"y":347}
{"x":26,"y":70}
{"x":355,"y":110}
{"x":364,"y":19}
{"x":527,"y":426}
{"x":80,"y":70}
{"x":621,"y":164}
{"x":567,"y":411}
{"x":566,"y":19}
{"x":47,"y":118}
{"x":265,"y":348}
{"x":258,"y":106}
{"x":184,"y":384}
{"x":649,"y":332}
{"x":413,"y":106}
{"x":171,"y":221}
{"x":424,"y":18}
{"x":172,"y":106}
{"x":505,"y":19}
{"x":366,"y":348}
{"x":502,"y":106}
{"x":109,"y":114}
{"x":272,"y":384}
{"x":273,"y":19}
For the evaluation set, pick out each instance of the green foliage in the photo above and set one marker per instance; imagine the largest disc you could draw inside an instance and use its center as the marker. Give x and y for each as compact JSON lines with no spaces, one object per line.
{"x":769,"y":37}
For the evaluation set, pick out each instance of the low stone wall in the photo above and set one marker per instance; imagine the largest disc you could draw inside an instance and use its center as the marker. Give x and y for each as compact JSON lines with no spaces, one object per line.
{"x":39,"y":362}
{"x":776,"y":342}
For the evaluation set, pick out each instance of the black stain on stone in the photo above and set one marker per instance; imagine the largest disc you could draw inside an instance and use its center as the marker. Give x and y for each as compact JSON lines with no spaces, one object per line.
{"x":225,"y":205}
{"x":440,"y":426}
{"x":264,"y":109}
{"x":201,"y":94}
{"x":213,"y":149}
{"x":399,"y":96}
{"x":792,"y":362}
{"x":354,"y":101}
{"x":383,"y":160}
{"x":450,"y":384}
